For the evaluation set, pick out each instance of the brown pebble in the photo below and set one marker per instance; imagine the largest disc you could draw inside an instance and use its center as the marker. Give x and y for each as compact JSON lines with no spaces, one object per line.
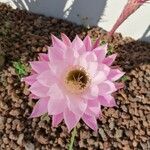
{"x":20,"y":139}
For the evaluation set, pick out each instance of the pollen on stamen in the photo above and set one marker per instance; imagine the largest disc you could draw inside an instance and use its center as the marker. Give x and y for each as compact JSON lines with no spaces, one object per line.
{"x":77,"y":80}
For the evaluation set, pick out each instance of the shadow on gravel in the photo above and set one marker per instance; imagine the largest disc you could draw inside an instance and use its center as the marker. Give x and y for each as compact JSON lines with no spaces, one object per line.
{"x":133,"y":54}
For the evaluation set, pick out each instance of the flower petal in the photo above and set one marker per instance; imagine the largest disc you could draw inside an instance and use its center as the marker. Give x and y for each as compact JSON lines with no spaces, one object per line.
{"x":40,"y":108}
{"x":92,"y":68}
{"x":110,"y":59}
{"x":58,"y":43}
{"x":38,"y":89}
{"x":106,"y":87}
{"x":96,"y":44}
{"x":93,"y":108}
{"x":91,"y":56}
{"x":100,"y":52}
{"x":119,"y":85}
{"x":55,"y":92}
{"x":101,"y":74}
{"x":90,"y":121}
{"x":78,"y":45}
{"x":87,"y":42}
{"x":47,"y":78}
{"x":82,"y":62}
{"x":93,"y":92}
{"x":57,"y":102}
{"x":70,"y":119}
{"x":77,"y":105}
{"x":39,"y":66}
{"x":115,"y":74}
{"x":56,"y":106}
{"x":65,"y":39}
{"x":55,"y":54}
{"x":30,"y":79}
{"x":32,"y":96}
{"x":57,"y":60}
{"x":56,"y":119}
{"x":107,"y":100}
{"x":43,"y":57}
{"x":99,"y":77}
{"x":104,"y":68}
{"x":71,"y":56}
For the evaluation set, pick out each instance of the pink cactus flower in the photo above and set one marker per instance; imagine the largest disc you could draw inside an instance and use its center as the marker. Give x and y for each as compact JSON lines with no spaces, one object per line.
{"x":129,"y":9}
{"x":73,"y":81}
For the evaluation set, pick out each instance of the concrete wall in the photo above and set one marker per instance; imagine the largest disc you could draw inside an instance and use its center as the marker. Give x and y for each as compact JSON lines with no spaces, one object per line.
{"x":92,"y":12}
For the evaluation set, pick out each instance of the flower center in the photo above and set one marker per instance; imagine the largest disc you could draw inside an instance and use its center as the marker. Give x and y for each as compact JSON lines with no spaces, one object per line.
{"x":77,"y":80}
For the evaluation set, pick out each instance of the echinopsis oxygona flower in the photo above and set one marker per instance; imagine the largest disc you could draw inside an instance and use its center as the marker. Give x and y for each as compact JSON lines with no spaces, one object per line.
{"x":73,"y":81}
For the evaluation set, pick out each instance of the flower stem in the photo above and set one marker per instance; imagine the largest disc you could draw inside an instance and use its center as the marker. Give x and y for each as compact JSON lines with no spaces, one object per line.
{"x":73,"y":134}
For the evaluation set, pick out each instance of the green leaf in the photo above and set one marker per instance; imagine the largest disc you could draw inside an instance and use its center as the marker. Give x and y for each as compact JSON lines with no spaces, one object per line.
{"x":124,"y":78}
{"x":20,"y":68}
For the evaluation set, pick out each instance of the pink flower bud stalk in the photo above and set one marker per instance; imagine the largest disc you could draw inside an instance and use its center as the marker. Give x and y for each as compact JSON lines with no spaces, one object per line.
{"x":129,"y":9}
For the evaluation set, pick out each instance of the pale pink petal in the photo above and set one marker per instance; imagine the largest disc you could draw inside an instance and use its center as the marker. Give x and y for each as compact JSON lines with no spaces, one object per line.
{"x":39,"y":66}
{"x":30,"y":79}
{"x":57,"y":102}
{"x":82,"y":62}
{"x":92,"y":68}
{"x":99,"y":77}
{"x":101,"y":52}
{"x":40,"y":108}
{"x":56,"y":119}
{"x":107,"y":100}
{"x":119,"y":85}
{"x":32,"y":96}
{"x":71,"y":56}
{"x":90,"y":121}
{"x":91,"y":56}
{"x":47,"y":78}
{"x":93,"y":108}
{"x":43,"y":57}
{"x":110,"y":59}
{"x":38,"y":89}
{"x":85,"y":59}
{"x":101,"y":74}
{"x":96,"y":44}
{"x":94,"y":90}
{"x":78,"y":45}
{"x":77,"y":42}
{"x":104,"y":68}
{"x":55,"y":54}
{"x":106,"y":87}
{"x":58,"y":43}
{"x":56,"y":92}
{"x":91,"y":93}
{"x":70,"y":119}
{"x":56,"y":106}
{"x":76,"y":104}
{"x":58,"y":61}
{"x":115,"y":74}
{"x":87,"y":42}
{"x":65,"y":39}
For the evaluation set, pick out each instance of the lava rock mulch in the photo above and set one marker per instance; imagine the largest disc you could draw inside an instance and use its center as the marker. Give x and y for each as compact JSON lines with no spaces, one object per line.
{"x":126,"y":127}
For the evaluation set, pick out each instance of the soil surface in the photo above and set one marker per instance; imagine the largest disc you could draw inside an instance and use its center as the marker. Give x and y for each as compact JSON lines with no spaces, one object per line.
{"x":126,"y":127}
